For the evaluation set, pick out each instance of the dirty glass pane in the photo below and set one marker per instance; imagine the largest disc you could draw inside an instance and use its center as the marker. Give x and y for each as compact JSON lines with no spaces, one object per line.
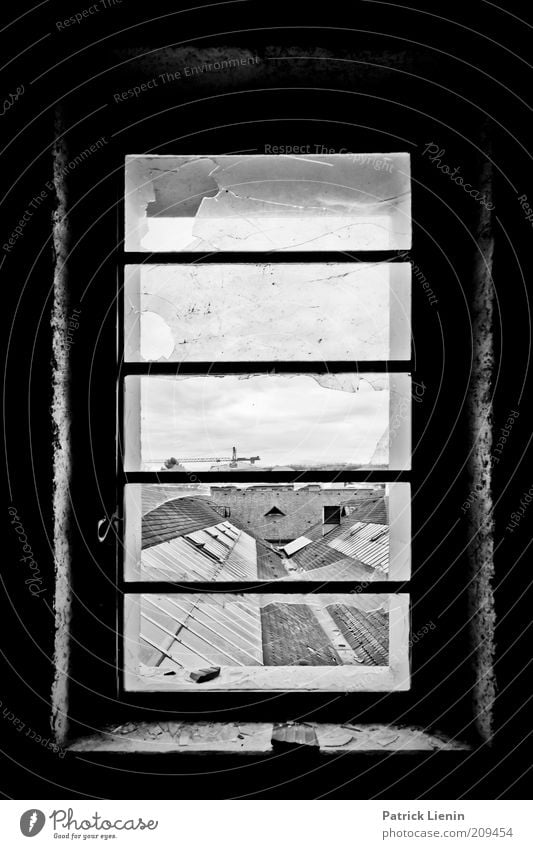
{"x":274,"y":422}
{"x":268,"y":203}
{"x":267,"y":312}
{"x":227,"y":641}
{"x":198,"y":532}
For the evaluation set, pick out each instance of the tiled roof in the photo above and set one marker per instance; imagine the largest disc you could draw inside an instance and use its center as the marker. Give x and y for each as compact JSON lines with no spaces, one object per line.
{"x":367,"y":633}
{"x":269,"y":563}
{"x":292,"y":636}
{"x":154,"y":494}
{"x":176,"y":518}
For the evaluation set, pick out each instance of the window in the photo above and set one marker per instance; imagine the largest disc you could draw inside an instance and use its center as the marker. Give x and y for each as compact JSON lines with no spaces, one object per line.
{"x":304,"y":365}
{"x":274,"y":511}
{"x":332,"y":515}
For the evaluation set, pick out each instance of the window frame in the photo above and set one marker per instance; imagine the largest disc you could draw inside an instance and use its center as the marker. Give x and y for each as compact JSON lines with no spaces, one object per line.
{"x":69,"y":681}
{"x":477,"y":563}
{"x":388,"y":587}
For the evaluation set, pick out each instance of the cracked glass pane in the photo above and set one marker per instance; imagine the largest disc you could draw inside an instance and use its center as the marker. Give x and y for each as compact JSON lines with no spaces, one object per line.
{"x":268,"y":203}
{"x":275,"y":422}
{"x":228,"y":641}
{"x":267,"y":312}
{"x":198,"y":532}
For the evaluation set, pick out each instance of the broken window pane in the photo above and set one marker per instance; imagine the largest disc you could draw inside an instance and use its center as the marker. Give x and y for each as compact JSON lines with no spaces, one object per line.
{"x":267,"y":532}
{"x":275,"y":422}
{"x":268,"y":312}
{"x":268,"y":203}
{"x":275,"y":642}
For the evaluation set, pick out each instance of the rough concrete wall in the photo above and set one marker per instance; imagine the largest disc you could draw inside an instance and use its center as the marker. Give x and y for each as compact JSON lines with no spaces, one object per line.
{"x":303,"y":508}
{"x":177,"y":68}
{"x":481,"y":530}
{"x":62,"y":459}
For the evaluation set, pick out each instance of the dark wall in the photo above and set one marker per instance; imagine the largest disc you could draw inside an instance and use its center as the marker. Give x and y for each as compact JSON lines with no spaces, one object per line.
{"x":344,"y":79}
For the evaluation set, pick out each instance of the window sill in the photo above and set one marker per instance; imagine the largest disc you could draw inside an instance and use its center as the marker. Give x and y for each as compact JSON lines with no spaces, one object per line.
{"x":260,"y":738}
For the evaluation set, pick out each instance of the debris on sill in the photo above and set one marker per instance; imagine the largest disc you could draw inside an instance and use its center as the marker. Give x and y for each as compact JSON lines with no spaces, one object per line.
{"x":201,"y":675}
{"x":264,"y":738}
{"x":375,"y":738}
{"x":154,"y":671}
{"x":292,"y":735}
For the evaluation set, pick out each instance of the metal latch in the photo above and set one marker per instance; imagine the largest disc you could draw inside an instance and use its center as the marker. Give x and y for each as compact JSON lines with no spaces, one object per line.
{"x":106,"y":525}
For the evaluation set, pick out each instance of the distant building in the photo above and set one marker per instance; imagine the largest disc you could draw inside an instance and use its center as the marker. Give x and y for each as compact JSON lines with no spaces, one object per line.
{"x":279,"y":513}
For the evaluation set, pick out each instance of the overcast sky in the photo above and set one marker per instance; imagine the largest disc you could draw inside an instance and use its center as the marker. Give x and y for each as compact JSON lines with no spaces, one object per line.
{"x":282,"y":419}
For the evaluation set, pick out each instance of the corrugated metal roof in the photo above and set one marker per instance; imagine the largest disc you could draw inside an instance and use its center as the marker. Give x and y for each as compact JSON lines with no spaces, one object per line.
{"x":344,"y":569}
{"x":364,"y":541}
{"x":177,"y":560}
{"x":367,"y":543}
{"x":205,"y":541}
{"x":202,"y":556}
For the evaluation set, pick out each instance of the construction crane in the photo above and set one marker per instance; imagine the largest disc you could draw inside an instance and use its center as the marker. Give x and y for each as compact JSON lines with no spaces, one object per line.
{"x":233,"y":460}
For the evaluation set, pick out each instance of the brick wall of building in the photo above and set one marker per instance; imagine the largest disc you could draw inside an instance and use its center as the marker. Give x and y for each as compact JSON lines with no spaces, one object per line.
{"x":302,"y":509}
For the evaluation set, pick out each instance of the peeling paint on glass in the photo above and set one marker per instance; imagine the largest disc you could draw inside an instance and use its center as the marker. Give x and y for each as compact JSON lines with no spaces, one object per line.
{"x":279,"y":422}
{"x":268,"y":312}
{"x":268,"y":203}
